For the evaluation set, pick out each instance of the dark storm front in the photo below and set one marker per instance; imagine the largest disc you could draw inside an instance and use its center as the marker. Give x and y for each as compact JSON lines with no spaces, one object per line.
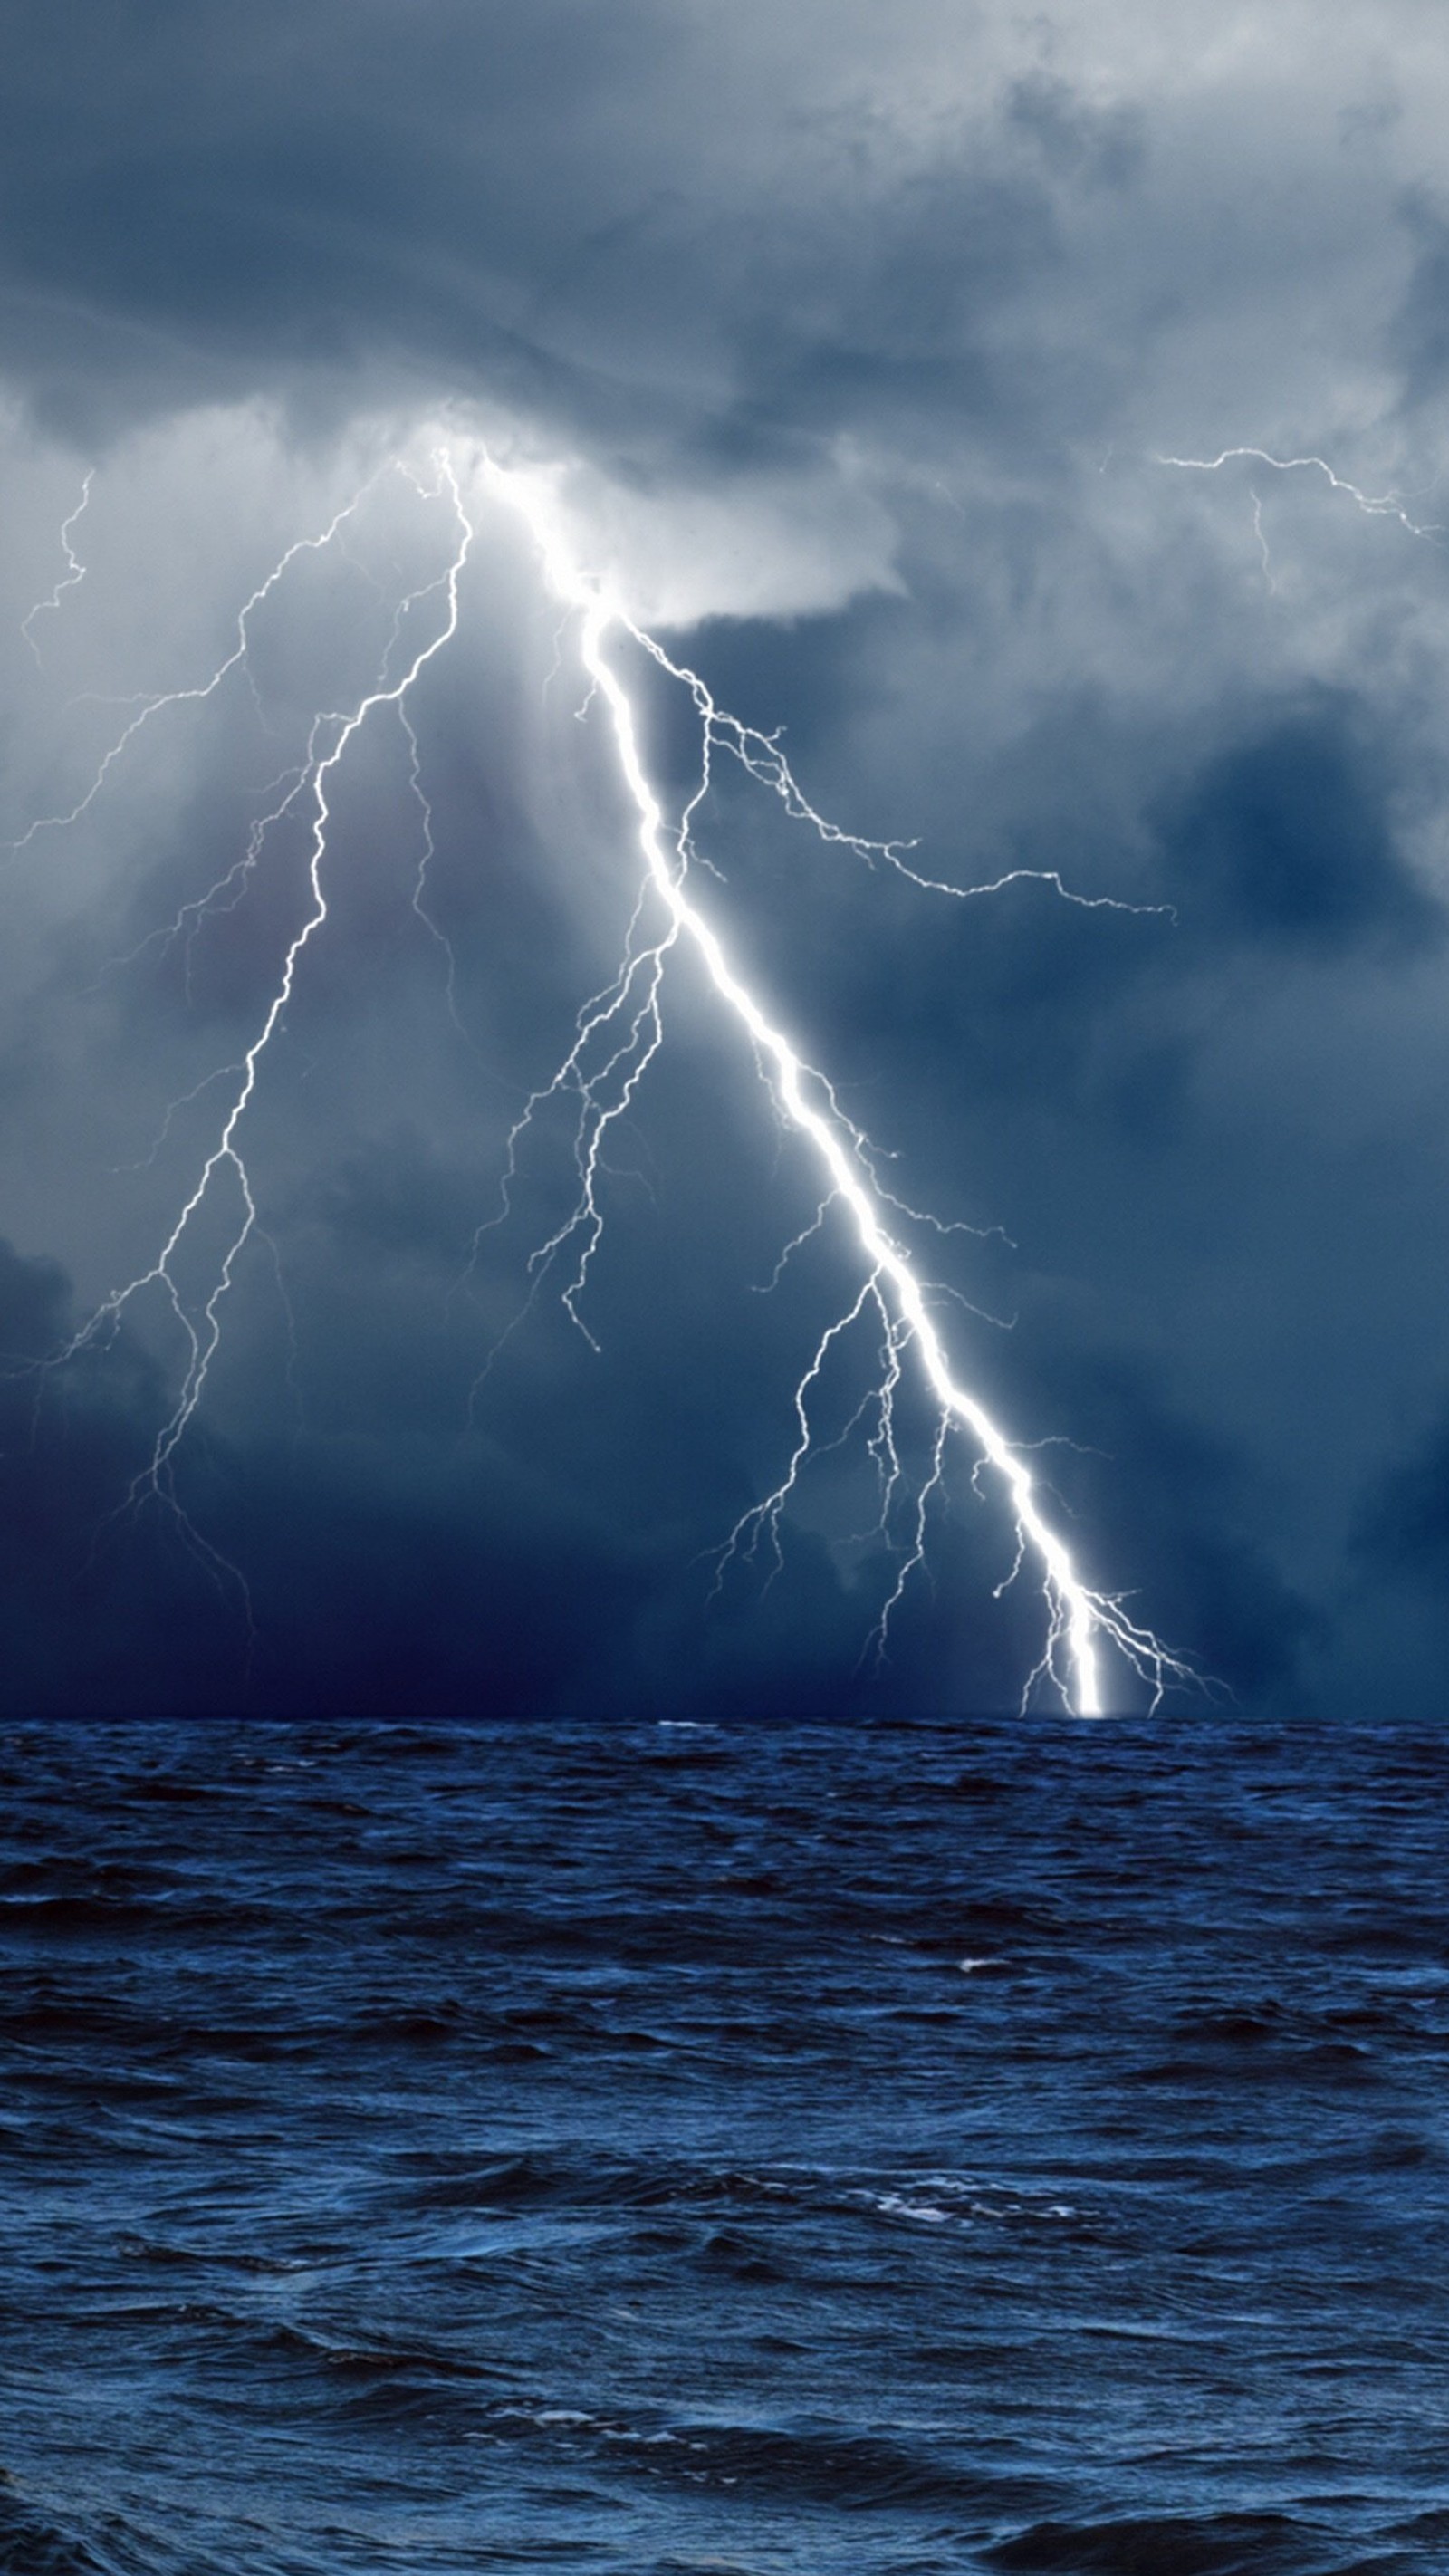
{"x":899,"y":2150}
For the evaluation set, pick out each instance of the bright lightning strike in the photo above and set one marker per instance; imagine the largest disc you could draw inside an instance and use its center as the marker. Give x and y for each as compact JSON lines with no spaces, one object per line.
{"x":619,"y":1035}
{"x":1080,"y":1622}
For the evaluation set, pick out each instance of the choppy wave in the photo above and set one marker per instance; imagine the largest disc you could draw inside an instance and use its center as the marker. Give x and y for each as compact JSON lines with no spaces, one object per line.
{"x":766,"y":2151}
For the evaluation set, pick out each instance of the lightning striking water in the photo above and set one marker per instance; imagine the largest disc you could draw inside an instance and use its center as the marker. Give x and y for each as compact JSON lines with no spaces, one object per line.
{"x":1087,"y":1633}
{"x":1080,"y":1620}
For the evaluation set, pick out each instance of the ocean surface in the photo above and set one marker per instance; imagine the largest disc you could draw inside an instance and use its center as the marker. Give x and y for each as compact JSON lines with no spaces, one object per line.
{"x":746,"y":2149}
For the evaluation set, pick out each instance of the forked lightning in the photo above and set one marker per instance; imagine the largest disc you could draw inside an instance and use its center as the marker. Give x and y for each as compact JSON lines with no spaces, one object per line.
{"x":1090,"y":1644}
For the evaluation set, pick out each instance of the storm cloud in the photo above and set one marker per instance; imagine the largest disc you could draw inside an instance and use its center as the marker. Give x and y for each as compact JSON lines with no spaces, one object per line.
{"x":878,"y":357}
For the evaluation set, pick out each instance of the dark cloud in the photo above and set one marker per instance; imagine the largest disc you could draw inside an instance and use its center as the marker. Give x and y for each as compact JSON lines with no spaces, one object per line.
{"x":1073,"y":137}
{"x":1165,"y":1493}
{"x":1287,"y":841}
{"x":1403,"y":1527}
{"x":1420,"y":327}
{"x":538,"y":206}
{"x":698,"y":241}
{"x":917,"y":306}
{"x":378,"y":1573}
{"x":388,"y":1565}
{"x":85,"y":1606}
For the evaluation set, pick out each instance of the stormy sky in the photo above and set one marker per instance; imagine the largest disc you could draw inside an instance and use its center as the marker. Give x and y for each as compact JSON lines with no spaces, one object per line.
{"x":853,"y":339}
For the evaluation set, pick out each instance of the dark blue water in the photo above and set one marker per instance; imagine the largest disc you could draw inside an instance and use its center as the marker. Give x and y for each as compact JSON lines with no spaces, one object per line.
{"x":910,"y":2150}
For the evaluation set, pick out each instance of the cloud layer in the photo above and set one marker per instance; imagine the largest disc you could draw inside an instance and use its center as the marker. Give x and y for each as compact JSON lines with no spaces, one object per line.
{"x":853,"y":341}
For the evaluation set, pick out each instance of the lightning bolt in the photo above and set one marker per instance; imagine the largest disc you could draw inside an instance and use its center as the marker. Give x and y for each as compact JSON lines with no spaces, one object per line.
{"x":71,"y":578}
{"x":1087,"y":1633}
{"x":200,"y":1316}
{"x":624,"y":1030}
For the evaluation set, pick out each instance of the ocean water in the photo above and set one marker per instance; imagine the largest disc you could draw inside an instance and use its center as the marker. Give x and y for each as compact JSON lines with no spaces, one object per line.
{"x":762,"y":2150}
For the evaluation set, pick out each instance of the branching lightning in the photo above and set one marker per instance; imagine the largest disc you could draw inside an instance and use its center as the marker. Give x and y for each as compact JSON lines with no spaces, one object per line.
{"x":71,"y":578}
{"x":624,"y":1027}
{"x":1374,"y":505}
{"x":1088,"y":1634}
{"x":760,"y":754}
{"x":200,"y":1318}
{"x":165,"y":699}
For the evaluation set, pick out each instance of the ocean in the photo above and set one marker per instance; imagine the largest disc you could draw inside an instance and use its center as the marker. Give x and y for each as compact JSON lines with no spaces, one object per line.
{"x":770,"y":2150}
